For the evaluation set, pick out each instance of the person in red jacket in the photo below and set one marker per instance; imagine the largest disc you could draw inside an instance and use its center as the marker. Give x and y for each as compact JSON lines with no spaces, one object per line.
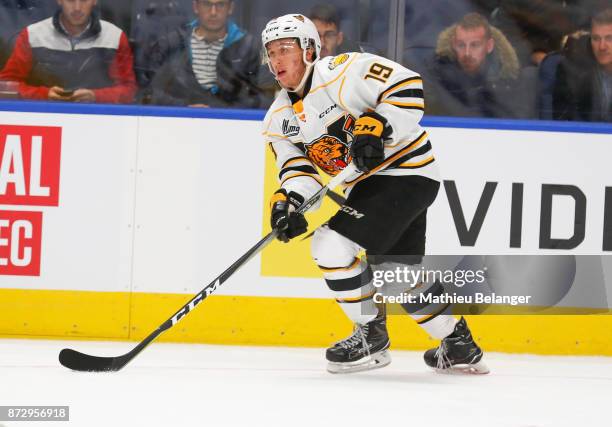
{"x":73,"y":56}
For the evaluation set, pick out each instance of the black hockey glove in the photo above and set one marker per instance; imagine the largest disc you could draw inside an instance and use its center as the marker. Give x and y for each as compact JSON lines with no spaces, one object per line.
{"x":367,"y":149}
{"x":288,"y":223}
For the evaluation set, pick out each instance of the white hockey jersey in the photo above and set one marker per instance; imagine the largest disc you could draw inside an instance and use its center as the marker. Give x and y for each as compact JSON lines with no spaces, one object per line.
{"x":317,"y":130}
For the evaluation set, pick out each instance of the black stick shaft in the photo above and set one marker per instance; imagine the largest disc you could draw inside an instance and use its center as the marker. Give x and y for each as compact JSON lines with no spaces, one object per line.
{"x":204,"y":293}
{"x":83,"y":362}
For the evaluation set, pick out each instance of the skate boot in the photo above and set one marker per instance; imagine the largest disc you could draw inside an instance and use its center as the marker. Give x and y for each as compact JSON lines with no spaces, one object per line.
{"x":365,"y":349}
{"x":457,"y":353}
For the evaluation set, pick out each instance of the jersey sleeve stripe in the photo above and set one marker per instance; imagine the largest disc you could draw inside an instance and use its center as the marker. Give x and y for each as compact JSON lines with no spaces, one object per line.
{"x":304,"y":168}
{"x":271,"y":145}
{"x":415,"y":165}
{"x":275,"y":135}
{"x":423,"y":149}
{"x":406,"y":82}
{"x":406,"y":105}
{"x":297,"y":175}
{"x":295,"y":160}
{"x":417,"y":141}
{"x":340,"y":94}
{"x":389,"y":160}
{"x":408,"y":93}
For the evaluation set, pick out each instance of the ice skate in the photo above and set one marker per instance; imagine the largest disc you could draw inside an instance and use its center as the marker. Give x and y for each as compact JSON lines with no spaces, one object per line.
{"x":457,"y":353}
{"x":364,"y":350}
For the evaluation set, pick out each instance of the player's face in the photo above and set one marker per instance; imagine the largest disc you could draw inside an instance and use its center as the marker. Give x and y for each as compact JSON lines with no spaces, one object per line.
{"x":601,"y":42}
{"x":213,"y":14}
{"x":472,"y":47}
{"x":331,"y":38}
{"x":76,"y":12}
{"x":286,"y":60}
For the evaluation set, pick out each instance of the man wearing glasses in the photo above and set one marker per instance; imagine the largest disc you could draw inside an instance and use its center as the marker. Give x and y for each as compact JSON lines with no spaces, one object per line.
{"x":208,"y":62}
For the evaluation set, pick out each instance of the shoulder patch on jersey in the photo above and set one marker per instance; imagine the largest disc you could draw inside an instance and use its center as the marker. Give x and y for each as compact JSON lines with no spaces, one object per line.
{"x":289,"y":129}
{"x":338,"y":60}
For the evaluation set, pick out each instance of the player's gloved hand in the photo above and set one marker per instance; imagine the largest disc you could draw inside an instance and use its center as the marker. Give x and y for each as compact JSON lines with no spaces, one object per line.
{"x":283,"y":218}
{"x":367,"y":149}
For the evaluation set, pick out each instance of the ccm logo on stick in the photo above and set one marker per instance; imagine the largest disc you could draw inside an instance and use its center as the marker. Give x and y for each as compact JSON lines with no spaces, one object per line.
{"x":20,"y":237}
{"x":30,"y":165}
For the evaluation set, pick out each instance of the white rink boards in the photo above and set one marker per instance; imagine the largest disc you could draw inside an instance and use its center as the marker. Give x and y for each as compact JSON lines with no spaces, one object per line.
{"x":149,"y":208}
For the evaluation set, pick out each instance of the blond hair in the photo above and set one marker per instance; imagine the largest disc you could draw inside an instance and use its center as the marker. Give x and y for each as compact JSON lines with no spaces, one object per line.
{"x":602,"y":18}
{"x":474,"y":20}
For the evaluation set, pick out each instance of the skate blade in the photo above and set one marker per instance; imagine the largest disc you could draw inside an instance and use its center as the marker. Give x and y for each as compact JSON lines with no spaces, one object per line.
{"x":375,"y":361}
{"x":479,"y":368}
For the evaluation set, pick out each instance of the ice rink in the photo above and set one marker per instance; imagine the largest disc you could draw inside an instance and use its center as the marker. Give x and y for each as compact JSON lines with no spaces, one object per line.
{"x":205,"y":385}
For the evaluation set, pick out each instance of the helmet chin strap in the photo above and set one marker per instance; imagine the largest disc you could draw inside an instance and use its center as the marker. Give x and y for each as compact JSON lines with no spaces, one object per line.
{"x":307,"y":72}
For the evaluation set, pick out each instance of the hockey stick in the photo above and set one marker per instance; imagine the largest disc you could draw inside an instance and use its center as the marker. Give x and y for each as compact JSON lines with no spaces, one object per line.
{"x":338,"y":199}
{"x":78,"y":361}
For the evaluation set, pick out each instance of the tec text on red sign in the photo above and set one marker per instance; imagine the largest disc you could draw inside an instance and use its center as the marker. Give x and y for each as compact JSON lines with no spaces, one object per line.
{"x":20,"y":242}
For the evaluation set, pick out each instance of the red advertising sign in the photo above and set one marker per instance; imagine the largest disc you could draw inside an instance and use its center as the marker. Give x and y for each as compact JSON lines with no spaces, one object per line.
{"x":30,"y":165}
{"x":20,"y":241}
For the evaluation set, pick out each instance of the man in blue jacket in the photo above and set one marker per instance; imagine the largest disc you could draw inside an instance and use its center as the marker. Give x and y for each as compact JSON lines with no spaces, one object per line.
{"x":210,"y":62}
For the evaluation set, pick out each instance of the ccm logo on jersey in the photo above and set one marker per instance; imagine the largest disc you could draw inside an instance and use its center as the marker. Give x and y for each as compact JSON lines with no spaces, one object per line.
{"x":328,"y":110}
{"x":351,"y":212}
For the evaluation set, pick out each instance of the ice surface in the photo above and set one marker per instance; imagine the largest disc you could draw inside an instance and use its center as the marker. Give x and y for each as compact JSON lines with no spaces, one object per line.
{"x":205,"y":385}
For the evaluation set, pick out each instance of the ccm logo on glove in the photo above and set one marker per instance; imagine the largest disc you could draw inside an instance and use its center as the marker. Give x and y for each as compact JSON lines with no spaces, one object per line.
{"x":367,"y":149}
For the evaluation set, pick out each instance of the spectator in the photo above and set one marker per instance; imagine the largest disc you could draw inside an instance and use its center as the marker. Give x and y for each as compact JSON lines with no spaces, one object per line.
{"x":423,"y":24}
{"x":73,"y":56}
{"x":209,"y":62}
{"x":327,"y":21}
{"x":15,"y":15}
{"x":152,"y":20}
{"x":476,"y":73}
{"x":534,"y":27}
{"x":583,"y":85}
{"x":537,"y":27}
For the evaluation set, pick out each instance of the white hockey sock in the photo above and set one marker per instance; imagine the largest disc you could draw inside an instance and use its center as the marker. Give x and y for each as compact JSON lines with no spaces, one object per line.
{"x":360,"y":312}
{"x":440,"y":326}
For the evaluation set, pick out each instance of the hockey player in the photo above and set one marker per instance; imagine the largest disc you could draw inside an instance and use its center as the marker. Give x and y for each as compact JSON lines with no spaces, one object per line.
{"x":361,"y":108}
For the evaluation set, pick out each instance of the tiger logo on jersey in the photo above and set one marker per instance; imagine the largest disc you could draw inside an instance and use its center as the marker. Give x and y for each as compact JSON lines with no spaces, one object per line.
{"x":329,"y":153}
{"x":338,"y":60}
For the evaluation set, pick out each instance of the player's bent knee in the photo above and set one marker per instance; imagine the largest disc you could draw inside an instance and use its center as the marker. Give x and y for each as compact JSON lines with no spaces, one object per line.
{"x":331,"y":250}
